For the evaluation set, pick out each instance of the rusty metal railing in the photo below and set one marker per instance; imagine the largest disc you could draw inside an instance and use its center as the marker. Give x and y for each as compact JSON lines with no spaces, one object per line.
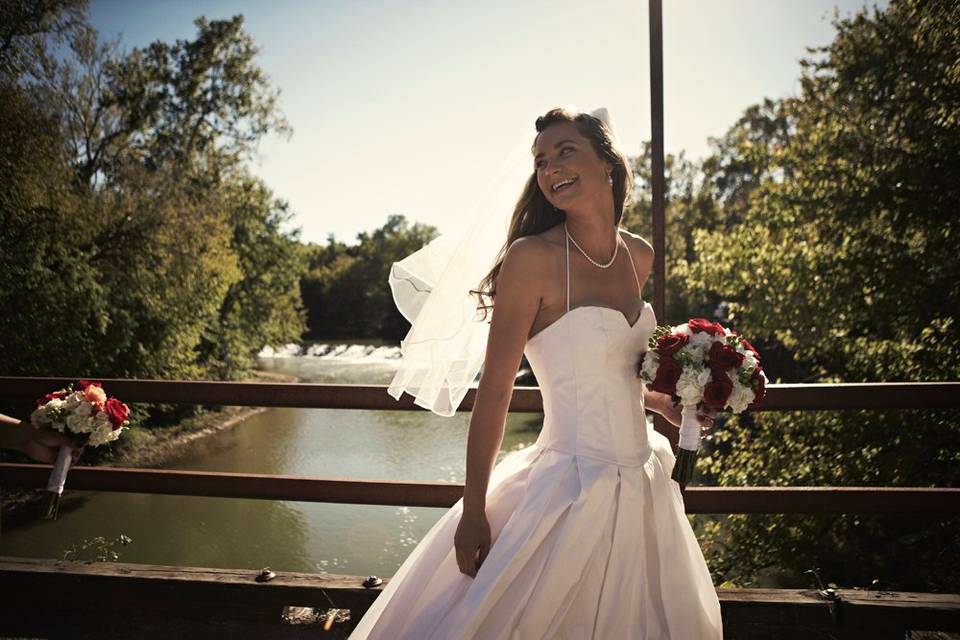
{"x":717,"y":500}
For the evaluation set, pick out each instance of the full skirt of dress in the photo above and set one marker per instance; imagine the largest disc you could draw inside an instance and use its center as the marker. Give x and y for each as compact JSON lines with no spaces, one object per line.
{"x":581,"y":548}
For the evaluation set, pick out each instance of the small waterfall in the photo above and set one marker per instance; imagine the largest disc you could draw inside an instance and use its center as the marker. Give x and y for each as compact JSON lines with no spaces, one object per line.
{"x":337,"y":351}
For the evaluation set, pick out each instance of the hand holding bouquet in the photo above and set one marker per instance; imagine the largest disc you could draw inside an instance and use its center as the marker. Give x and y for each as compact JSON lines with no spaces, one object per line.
{"x":701,"y":364}
{"x":83,"y":411}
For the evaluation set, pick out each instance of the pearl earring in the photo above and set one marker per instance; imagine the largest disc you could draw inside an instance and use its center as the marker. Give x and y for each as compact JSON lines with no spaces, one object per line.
{"x":610,"y":179}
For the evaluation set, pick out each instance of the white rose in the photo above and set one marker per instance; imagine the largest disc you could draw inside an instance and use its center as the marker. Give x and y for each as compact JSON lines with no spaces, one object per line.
{"x":103,"y":434}
{"x":84,"y":409}
{"x":96,"y":438}
{"x":102,"y":420}
{"x":741,"y":396}
{"x":688,"y":386}
{"x":702,"y":339}
{"x":79,"y":423}
{"x":698,"y":352}
{"x":703,"y":378}
{"x":651,"y":360}
{"x":72,"y":401}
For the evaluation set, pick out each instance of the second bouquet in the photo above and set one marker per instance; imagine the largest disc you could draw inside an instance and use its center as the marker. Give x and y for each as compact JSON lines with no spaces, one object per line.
{"x":84,"y":411}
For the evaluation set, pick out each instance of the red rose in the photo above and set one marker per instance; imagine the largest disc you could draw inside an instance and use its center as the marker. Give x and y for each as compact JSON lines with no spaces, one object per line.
{"x":697,"y":325}
{"x":671,"y":343}
{"x":117,"y":412}
{"x":759,"y":385}
{"x":722,"y":357}
{"x":56,"y":395}
{"x":88,"y":383}
{"x":718,"y":390}
{"x":668,"y":372}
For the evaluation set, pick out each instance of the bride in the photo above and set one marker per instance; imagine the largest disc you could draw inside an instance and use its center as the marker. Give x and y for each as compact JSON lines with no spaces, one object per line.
{"x":583,"y":533}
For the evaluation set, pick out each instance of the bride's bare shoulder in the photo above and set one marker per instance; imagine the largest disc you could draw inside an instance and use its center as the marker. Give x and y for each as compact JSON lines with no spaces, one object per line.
{"x":534,"y":250}
{"x":640,"y":249}
{"x":636,"y":243}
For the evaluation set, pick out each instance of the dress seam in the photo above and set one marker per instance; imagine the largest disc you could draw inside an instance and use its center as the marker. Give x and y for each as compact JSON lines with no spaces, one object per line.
{"x":647,"y":455}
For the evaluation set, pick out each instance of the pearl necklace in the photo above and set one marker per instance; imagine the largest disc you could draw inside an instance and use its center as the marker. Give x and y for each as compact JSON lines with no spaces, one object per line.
{"x":592,"y":261}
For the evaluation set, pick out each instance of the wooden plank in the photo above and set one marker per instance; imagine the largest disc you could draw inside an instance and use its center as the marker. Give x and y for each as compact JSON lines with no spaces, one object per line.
{"x":838,"y":500}
{"x":255,"y":394}
{"x":239,"y":485}
{"x":717,"y":500}
{"x":780,"y":397}
{"x":857,"y":611}
{"x":206,"y":593}
{"x":190,"y":591}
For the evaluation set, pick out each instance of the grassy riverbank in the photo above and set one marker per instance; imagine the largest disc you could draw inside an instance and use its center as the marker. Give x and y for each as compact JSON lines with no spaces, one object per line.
{"x":146,"y":447}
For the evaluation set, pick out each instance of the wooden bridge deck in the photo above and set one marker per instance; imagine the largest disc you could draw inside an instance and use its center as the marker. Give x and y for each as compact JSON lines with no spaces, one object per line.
{"x":50,"y":598}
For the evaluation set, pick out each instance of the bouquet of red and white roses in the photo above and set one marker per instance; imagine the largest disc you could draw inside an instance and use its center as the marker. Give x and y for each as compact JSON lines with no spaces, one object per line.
{"x":84,"y":411}
{"x":699,"y":364}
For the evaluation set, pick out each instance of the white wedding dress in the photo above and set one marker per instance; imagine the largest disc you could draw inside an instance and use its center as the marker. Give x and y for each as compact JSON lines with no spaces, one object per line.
{"x":589,"y":535}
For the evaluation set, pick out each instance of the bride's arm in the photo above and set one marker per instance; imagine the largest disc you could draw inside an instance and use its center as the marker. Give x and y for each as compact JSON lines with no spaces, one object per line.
{"x":516,"y":303}
{"x":655,"y":401}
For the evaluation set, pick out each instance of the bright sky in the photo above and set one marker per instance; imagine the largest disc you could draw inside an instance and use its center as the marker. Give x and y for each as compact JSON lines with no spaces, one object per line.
{"x":407,"y":106}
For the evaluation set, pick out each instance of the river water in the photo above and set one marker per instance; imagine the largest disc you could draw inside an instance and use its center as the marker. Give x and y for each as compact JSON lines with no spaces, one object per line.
{"x":286,"y":536}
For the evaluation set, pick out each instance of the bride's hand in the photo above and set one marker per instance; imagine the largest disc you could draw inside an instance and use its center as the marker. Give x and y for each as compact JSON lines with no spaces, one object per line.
{"x":472,"y":542}
{"x":706,"y":416}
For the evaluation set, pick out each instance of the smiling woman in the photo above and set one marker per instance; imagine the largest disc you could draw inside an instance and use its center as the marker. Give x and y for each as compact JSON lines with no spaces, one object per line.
{"x":583,"y":533}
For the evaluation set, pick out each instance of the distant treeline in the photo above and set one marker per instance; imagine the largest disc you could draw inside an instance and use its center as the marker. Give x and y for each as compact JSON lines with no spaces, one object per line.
{"x":345,"y":289}
{"x":823,"y":226}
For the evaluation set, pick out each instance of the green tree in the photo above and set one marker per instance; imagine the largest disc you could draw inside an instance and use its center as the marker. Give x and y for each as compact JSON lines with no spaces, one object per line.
{"x":137,"y":243}
{"x":345,"y":291}
{"x":26,"y":26}
{"x":845,"y":255}
{"x":690,"y":204}
{"x":202,"y":103}
{"x":49,"y":292}
{"x":264,"y":306}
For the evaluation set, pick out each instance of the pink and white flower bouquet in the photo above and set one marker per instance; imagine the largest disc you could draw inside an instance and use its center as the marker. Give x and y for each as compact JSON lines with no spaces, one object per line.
{"x":84,"y":411}
{"x":700,"y":363}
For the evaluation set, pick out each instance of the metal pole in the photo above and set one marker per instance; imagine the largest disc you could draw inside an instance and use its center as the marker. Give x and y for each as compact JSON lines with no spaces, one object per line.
{"x":657,"y":185}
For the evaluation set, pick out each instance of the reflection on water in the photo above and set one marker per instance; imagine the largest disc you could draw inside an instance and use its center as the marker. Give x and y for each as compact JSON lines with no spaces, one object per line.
{"x":176,"y":530}
{"x":287,"y":536}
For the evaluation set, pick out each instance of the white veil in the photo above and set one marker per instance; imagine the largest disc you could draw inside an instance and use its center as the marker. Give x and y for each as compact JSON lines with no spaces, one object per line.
{"x":445,"y":346}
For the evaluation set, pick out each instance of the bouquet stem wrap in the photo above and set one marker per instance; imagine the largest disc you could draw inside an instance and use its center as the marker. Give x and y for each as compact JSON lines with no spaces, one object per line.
{"x":58,"y":478}
{"x":688,"y":446}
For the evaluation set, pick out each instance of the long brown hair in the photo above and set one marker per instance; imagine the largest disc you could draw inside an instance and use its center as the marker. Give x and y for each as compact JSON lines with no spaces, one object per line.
{"x":534,"y":214}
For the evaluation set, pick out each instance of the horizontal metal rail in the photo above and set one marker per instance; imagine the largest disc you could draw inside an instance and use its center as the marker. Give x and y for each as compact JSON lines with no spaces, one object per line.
{"x":779,"y":397}
{"x":715,"y":500}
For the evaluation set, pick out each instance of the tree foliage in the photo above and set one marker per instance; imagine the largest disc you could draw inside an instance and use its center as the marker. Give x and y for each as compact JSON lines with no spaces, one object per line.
{"x":345,"y":290}
{"x":133,"y":240}
{"x":842,"y":248}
